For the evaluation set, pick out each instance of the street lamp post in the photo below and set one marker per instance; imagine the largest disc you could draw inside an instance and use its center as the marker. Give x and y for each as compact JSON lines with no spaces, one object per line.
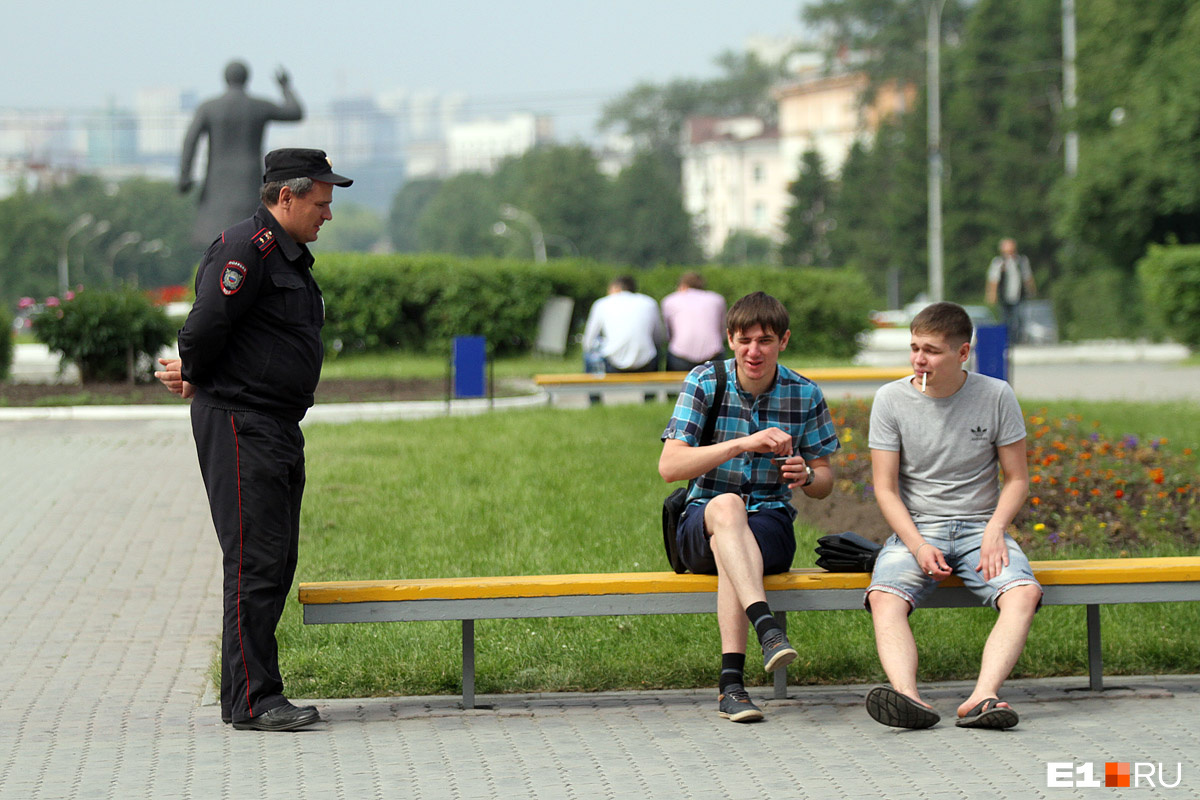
{"x":1071,"y":141}
{"x":99,"y":229}
{"x":152,"y":246}
{"x":64,"y":282}
{"x":933,"y":36}
{"x":511,"y":212}
{"x":121,"y":242}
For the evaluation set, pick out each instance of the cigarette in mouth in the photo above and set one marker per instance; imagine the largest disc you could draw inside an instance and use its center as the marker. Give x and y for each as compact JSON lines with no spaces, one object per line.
{"x":924,"y":376}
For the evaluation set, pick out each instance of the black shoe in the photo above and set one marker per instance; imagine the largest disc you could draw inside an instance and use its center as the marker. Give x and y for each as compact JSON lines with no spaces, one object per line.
{"x":734,"y":705}
{"x":283,"y":718}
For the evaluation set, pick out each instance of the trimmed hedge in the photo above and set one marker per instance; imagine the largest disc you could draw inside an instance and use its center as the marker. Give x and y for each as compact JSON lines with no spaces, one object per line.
{"x":110,"y":335}
{"x":420,"y":302}
{"x":1170,"y":280}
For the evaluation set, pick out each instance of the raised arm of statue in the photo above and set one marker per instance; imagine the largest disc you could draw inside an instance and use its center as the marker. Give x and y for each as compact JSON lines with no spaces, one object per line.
{"x":291,"y":108}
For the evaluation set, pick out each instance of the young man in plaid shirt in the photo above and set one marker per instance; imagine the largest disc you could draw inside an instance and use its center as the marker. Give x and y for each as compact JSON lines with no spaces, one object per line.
{"x":738,"y":519}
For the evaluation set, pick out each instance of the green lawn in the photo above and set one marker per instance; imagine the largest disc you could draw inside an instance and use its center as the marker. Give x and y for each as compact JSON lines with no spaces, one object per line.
{"x":557,"y":490}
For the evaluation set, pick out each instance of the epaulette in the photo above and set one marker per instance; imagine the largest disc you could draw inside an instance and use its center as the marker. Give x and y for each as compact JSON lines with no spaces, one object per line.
{"x":264,"y":240}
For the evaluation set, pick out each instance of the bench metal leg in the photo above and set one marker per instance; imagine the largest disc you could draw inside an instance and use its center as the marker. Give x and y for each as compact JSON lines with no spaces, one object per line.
{"x":468,"y":676}
{"x":1095,"y":665}
{"x":781,"y":672}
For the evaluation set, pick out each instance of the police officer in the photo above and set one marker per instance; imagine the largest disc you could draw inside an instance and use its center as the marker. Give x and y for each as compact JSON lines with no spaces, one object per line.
{"x":249,"y":357}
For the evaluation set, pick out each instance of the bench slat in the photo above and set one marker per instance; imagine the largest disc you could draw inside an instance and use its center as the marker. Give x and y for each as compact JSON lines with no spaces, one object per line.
{"x":1049,"y":573}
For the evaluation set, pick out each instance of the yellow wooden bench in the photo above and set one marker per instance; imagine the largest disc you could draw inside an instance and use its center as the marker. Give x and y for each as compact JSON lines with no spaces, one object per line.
{"x":1091,"y":582}
{"x":833,"y":380}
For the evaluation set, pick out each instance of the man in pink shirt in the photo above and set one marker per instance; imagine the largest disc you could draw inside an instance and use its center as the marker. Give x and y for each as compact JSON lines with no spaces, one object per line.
{"x":695,"y":319}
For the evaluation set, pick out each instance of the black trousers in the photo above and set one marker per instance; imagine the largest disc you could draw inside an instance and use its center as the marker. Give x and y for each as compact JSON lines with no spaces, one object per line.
{"x":253,"y":469}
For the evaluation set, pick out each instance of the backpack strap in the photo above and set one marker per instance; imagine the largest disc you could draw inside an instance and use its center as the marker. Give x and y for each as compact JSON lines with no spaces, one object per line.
{"x":710,"y":420}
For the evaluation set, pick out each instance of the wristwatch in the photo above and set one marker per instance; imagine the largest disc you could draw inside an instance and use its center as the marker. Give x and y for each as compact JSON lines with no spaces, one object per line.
{"x":809,"y":479}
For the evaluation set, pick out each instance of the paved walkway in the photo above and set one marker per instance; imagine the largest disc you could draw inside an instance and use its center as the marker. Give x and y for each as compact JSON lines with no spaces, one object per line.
{"x":109,"y":607}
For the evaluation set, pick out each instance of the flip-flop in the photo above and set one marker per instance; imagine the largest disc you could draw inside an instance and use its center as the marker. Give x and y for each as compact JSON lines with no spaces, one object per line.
{"x":988,"y":714}
{"x":889,"y":707}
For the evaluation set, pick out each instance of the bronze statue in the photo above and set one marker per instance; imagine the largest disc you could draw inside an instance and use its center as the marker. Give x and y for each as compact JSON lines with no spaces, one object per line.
{"x":234,"y":124}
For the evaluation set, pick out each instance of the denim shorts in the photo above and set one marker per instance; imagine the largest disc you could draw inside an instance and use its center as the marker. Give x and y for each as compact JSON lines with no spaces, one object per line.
{"x":772,"y":528}
{"x":897,"y":572}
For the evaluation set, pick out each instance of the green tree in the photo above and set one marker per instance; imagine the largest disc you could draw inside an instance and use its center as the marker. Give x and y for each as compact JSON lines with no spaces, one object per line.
{"x":880,"y":211}
{"x":31,"y":232}
{"x":745,"y":247}
{"x":649,"y":223}
{"x":354,"y":228}
{"x":886,"y":36}
{"x":653,"y":115}
{"x":1001,"y":139}
{"x":154,"y":210}
{"x":407,"y":205}
{"x":562,"y":188}
{"x":808,"y":216}
{"x":1139,"y":122}
{"x":459,"y":218}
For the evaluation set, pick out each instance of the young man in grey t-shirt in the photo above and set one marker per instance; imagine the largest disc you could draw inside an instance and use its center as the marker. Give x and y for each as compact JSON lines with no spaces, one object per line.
{"x":938,"y":441}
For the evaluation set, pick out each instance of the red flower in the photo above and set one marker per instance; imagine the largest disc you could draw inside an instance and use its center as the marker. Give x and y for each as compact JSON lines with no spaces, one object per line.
{"x":1119,"y":493}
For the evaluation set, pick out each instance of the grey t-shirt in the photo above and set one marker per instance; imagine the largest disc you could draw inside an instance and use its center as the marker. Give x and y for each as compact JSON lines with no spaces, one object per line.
{"x":947,"y":445}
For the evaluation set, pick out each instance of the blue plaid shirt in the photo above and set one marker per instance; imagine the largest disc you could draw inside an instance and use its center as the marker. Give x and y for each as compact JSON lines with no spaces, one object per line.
{"x":793,"y":404}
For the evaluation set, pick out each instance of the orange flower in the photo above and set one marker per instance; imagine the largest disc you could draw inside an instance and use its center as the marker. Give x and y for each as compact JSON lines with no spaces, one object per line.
{"x":1072,"y":479}
{"x":1095,"y":492}
{"x":1037,"y":501}
{"x":1074,"y":493}
{"x":1187,"y":451}
{"x":1036,"y":479}
{"x":1156,"y":475}
{"x":852,"y":456}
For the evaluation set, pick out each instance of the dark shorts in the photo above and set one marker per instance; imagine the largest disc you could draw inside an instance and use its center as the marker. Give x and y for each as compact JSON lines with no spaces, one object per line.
{"x":772,"y":528}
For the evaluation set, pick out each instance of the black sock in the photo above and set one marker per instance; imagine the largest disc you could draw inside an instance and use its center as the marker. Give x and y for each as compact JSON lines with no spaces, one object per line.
{"x":762,"y":619}
{"x":732,"y":667}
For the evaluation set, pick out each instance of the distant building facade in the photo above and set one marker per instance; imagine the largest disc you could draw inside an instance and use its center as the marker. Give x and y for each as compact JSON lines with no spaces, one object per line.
{"x":733,"y":179}
{"x":480,"y":145}
{"x":737,"y":170}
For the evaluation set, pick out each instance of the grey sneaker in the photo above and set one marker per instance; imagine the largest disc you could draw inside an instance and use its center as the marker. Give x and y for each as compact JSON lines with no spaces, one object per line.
{"x":735,"y":706}
{"x":777,"y":651}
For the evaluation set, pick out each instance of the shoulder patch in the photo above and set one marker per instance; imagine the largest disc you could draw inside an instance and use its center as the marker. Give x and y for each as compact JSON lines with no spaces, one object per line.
{"x":232,"y":277}
{"x":264,"y":240}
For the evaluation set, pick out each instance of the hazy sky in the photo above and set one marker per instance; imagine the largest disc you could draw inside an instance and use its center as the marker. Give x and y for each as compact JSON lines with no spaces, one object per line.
{"x":565,"y":55}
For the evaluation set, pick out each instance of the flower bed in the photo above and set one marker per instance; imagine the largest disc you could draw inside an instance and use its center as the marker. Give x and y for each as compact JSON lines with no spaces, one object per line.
{"x":1086,"y":488}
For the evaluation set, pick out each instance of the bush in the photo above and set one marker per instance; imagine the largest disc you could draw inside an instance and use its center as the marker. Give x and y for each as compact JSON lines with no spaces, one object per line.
{"x":419,"y":303}
{"x":109,"y":335}
{"x":1101,"y":304}
{"x":1170,"y":280}
{"x":6,"y":343}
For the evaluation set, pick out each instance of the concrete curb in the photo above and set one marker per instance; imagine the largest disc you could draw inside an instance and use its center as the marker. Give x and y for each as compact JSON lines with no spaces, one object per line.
{"x":330,"y":412}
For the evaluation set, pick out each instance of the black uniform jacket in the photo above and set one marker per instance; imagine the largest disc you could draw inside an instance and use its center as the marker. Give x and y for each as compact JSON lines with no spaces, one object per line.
{"x":253,"y":338}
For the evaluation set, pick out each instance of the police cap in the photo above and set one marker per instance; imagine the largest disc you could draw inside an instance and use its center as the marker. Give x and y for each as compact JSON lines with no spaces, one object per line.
{"x":298,"y":162}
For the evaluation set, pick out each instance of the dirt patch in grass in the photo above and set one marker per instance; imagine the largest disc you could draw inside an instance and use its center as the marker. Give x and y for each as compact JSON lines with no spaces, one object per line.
{"x":843,"y":511}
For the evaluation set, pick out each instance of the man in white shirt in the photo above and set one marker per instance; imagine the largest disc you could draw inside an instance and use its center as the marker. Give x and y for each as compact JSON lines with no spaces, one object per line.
{"x":626,"y":328}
